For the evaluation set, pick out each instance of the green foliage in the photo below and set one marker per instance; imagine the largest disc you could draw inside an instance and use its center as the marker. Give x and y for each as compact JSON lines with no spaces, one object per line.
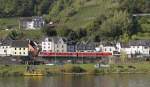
{"x":116,"y":25}
{"x":69,"y":68}
{"x":11,"y":8}
{"x":63,"y":31}
{"x":16,"y":35}
{"x":49,"y":31}
{"x":9,"y":23}
{"x":123,"y":57}
{"x":135,"y":6}
{"x":98,"y":19}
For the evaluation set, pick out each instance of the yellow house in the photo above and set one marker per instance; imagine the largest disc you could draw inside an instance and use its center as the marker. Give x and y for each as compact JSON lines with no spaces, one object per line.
{"x":20,"y":48}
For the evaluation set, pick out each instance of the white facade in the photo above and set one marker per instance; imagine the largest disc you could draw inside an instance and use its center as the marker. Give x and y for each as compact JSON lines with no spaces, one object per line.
{"x":118,"y":47}
{"x":5,"y":51}
{"x":143,"y":50}
{"x":20,"y":51}
{"x":47,"y":45}
{"x":30,"y":25}
{"x":110,"y":49}
{"x":127,"y":50}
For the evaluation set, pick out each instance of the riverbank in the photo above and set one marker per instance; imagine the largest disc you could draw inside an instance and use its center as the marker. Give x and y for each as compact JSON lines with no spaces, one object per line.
{"x":19,"y":70}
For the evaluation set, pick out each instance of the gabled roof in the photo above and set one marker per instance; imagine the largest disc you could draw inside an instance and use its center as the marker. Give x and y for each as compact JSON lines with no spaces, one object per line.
{"x":35,"y":18}
{"x":6,"y":42}
{"x":86,"y":46}
{"x":20,"y":43}
{"x":56,"y":40}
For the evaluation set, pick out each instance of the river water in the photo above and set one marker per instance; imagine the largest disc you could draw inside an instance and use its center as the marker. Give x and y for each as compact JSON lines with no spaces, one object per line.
{"x":123,"y":80}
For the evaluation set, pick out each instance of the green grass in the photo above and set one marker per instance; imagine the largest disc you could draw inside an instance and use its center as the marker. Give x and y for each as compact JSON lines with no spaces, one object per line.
{"x":4,"y":33}
{"x":143,"y":36}
{"x":143,"y":67}
{"x":84,"y":16}
{"x":9,"y":22}
{"x":33,"y":34}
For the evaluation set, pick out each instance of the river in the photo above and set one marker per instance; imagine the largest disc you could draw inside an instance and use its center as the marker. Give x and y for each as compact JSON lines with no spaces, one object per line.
{"x":116,"y":80}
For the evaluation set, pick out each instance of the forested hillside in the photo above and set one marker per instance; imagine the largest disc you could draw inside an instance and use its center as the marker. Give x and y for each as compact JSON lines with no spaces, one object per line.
{"x":86,"y":19}
{"x":15,"y":8}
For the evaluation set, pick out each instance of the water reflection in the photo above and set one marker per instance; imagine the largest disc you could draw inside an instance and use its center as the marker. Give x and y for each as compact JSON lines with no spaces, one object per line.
{"x":132,"y":80}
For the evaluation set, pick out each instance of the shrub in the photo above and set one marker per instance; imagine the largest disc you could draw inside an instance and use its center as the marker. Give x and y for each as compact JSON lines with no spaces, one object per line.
{"x":77,"y":69}
{"x":93,"y":71}
{"x":69,"y":68}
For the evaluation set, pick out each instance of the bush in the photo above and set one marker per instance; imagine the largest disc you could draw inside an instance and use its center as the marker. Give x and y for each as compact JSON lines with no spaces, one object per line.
{"x":93,"y":71}
{"x":77,"y":69}
{"x":69,"y":68}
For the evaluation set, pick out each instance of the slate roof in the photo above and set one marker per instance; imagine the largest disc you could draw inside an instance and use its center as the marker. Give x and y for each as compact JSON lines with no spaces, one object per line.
{"x":6,"y":42}
{"x":71,"y":42}
{"x":140,"y":43}
{"x":86,"y":46}
{"x":57,"y":39}
{"x":19,"y":43}
{"x":36,"y":18}
{"x":125,"y":45}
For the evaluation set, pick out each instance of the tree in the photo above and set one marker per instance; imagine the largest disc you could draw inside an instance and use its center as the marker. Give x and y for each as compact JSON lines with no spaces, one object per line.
{"x":49,"y":31}
{"x":72,"y":36}
{"x":63,"y":31}
{"x":116,"y":25}
{"x":123,"y":57}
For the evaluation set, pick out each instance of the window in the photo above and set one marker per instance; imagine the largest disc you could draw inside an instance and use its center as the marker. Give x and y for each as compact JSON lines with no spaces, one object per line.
{"x":15,"y":48}
{"x":145,"y":47}
{"x":62,"y":46}
{"x":20,"y":53}
{"x":24,"y":53}
{"x":24,"y":48}
{"x":110,"y":49}
{"x":15,"y":53}
{"x":19,"y":48}
{"x":44,"y":44}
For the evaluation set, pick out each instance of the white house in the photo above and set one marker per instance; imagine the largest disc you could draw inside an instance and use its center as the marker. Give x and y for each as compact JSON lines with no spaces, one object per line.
{"x":110,"y":49}
{"x":106,"y":48}
{"x":47,"y":45}
{"x":54,"y":44}
{"x":140,"y":47}
{"x":31,"y":23}
{"x":20,"y":48}
{"x":5,"y":50}
{"x":126,"y":48}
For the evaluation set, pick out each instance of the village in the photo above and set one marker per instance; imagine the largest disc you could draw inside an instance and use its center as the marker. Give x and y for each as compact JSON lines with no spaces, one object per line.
{"x":53,"y":47}
{"x":49,"y":45}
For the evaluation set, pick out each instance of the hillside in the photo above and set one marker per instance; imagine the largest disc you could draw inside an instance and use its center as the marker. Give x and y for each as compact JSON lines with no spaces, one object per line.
{"x":86,"y":15}
{"x":92,"y":20}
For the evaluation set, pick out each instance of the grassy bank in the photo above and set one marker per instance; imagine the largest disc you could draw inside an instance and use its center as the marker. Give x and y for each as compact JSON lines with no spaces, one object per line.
{"x":18,"y":70}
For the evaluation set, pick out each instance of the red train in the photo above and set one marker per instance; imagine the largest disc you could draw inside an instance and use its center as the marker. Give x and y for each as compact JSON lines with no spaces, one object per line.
{"x":75,"y":54}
